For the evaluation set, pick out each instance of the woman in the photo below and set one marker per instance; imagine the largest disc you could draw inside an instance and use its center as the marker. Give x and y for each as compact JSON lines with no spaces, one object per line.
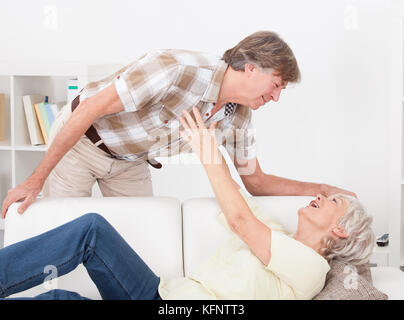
{"x":261,"y":261}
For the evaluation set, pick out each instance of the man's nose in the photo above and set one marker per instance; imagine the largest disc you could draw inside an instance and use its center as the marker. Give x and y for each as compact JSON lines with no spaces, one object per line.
{"x":275,"y":95}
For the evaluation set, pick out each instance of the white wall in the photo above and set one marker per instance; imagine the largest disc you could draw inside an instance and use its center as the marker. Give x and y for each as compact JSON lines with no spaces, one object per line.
{"x":332,"y":127}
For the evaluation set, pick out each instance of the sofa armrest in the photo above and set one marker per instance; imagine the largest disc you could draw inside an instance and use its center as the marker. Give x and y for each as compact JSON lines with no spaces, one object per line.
{"x":150,"y":225}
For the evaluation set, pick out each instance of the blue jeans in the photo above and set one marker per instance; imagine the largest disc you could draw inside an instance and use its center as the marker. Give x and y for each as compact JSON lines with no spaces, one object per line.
{"x":117,"y":271}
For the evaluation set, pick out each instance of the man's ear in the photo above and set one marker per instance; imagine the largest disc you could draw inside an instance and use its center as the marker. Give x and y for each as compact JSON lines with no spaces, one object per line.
{"x":249,"y":68}
{"x":340,"y":232}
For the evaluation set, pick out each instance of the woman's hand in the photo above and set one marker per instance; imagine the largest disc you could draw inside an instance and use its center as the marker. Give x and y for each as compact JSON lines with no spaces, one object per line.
{"x":201,"y":139}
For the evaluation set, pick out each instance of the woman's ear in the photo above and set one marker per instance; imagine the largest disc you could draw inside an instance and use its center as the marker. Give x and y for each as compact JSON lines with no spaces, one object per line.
{"x":340,"y":232}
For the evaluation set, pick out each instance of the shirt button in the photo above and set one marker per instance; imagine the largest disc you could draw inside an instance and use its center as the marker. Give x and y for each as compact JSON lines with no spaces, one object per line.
{"x":165,"y":121}
{"x":207,"y":114}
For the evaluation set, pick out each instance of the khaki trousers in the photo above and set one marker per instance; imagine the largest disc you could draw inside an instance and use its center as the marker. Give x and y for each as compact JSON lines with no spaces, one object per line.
{"x":85,"y":164}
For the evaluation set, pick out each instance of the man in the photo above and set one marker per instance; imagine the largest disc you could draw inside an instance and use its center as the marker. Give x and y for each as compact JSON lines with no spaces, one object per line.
{"x":132,"y":117}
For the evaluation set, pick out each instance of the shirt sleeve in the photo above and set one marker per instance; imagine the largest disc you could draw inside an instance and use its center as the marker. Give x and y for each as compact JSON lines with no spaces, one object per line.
{"x":298,"y":265}
{"x":145,"y":82}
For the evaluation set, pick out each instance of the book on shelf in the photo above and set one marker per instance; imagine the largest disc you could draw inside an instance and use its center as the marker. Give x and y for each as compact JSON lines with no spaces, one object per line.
{"x":2,"y":117}
{"x":51,"y":110}
{"x":34,"y":129}
{"x":56,"y":107}
{"x":45,"y":118}
{"x":41,"y":118}
{"x":41,"y":121}
{"x":49,"y":115}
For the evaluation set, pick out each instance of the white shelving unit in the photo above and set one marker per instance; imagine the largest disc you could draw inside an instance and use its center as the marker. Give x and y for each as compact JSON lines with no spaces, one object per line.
{"x":396,"y":141}
{"x":18,"y":158}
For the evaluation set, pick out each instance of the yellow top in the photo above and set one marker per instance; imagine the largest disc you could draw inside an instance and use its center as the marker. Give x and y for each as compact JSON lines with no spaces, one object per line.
{"x":295,"y":271}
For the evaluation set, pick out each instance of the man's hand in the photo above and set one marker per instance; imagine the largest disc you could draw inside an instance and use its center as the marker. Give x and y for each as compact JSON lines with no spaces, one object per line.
{"x":26,"y":191}
{"x":328,"y":190}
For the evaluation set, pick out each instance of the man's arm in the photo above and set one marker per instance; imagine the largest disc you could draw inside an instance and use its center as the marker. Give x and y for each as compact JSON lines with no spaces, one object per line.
{"x":259,"y":183}
{"x":103,"y":103}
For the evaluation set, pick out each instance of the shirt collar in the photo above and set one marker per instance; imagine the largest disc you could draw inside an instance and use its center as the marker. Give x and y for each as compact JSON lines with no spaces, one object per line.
{"x":212,"y":92}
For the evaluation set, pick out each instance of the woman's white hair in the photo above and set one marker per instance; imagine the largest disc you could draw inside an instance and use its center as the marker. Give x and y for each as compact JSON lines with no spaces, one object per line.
{"x":357,"y":248}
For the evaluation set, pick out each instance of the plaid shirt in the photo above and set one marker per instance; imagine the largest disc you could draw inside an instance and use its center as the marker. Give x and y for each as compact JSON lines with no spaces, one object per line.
{"x":154,"y":90}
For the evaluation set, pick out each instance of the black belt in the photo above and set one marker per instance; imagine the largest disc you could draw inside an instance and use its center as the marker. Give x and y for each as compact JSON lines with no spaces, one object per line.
{"x":92,"y":134}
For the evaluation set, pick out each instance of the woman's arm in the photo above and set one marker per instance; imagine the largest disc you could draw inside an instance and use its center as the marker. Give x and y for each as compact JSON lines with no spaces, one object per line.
{"x":238,"y":215}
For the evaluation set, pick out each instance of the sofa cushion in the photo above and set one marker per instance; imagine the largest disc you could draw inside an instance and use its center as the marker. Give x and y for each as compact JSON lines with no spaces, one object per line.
{"x":389,"y":280}
{"x":151,"y":226}
{"x":345,"y":282}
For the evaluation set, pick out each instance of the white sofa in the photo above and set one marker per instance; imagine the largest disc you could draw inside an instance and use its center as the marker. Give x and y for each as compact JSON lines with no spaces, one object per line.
{"x":173,"y":238}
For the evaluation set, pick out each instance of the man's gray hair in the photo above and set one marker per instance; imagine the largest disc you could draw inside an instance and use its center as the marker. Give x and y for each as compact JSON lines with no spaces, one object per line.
{"x":266,"y":50}
{"x":357,"y":248}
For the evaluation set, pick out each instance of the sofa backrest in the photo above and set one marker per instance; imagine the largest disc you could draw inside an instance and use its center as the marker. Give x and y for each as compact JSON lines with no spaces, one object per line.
{"x":203,"y":233}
